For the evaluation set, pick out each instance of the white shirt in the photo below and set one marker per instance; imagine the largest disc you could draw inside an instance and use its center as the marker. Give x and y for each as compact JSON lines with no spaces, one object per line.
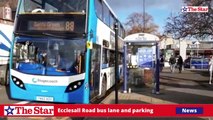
{"x":211,"y":64}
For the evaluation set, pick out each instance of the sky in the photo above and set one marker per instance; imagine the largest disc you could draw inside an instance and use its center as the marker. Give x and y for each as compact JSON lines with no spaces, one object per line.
{"x":160,"y":10}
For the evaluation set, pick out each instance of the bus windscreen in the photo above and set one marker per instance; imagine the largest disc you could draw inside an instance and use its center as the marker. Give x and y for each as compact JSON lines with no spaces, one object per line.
{"x":51,"y":16}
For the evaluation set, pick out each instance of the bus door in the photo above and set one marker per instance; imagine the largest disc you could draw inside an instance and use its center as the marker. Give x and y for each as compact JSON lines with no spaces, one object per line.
{"x":95,"y":70}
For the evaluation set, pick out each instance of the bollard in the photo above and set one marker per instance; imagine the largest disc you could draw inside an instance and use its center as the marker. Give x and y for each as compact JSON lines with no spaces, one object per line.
{"x":129,"y":90}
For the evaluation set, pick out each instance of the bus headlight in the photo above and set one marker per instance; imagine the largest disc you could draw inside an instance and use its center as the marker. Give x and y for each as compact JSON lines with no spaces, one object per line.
{"x":18,"y":82}
{"x":74,"y":86}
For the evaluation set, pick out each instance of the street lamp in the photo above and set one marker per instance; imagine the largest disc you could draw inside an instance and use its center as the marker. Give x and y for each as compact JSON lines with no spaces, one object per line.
{"x":144,"y":24}
{"x":179,"y":46}
{"x":116,"y":62}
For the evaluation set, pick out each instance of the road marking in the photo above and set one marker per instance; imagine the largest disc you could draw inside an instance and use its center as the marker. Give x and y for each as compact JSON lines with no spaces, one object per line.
{"x":23,"y":102}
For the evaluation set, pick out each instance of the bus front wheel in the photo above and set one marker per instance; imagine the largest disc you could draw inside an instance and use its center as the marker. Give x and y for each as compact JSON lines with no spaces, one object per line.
{"x":5,"y":80}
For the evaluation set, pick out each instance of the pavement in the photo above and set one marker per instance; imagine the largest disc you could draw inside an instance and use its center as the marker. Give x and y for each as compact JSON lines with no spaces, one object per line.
{"x":188,"y":87}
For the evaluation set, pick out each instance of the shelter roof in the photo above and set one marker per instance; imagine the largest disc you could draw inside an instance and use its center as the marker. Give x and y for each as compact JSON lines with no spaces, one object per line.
{"x":141,"y":38}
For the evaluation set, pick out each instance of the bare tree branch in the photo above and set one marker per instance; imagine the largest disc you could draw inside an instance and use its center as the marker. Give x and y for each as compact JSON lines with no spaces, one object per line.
{"x":197,"y":25}
{"x":135,"y":24}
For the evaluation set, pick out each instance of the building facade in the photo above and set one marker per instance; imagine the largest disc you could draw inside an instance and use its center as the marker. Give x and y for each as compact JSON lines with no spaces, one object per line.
{"x":185,"y":48}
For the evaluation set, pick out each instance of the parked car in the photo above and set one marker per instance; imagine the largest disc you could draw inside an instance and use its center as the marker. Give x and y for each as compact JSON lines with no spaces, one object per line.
{"x":187,"y":62}
{"x":196,"y":63}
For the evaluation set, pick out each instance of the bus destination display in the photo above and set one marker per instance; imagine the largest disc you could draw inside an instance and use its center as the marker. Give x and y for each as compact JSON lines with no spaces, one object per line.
{"x":66,"y":26}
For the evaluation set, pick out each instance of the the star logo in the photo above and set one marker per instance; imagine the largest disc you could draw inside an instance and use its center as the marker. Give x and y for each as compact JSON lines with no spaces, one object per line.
{"x":184,"y":9}
{"x":9,"y":110}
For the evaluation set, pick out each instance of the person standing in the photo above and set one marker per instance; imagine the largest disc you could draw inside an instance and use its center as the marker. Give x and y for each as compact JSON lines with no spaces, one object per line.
{"x":172,"y":62}
{"x":161,"y":63}
{"x":210,"y":69}
{"x":180,"y":63}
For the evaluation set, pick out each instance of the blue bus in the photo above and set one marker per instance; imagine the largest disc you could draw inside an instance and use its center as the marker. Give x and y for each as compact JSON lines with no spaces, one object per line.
{"x":64,"y":50}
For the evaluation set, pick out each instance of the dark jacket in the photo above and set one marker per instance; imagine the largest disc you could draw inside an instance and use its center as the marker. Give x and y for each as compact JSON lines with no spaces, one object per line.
{"x":180,"y":60}
{"x":161,"y":61}
{"x":172,"y":60}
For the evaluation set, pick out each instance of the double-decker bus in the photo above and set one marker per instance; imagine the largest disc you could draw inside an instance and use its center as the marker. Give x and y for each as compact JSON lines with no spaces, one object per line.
{"x":63,"y":50}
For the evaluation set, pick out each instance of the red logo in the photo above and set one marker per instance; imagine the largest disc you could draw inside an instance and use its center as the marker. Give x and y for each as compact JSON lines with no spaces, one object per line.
{"x":195,"y":9}
{"x":28,"y":110}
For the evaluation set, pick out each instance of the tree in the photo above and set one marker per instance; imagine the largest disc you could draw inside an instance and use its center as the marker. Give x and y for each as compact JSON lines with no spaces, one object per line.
{"x":197,"y":25}
{"x":135,"y":24}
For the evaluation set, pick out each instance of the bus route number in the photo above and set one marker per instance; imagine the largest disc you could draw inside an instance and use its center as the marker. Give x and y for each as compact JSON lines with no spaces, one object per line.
{"x":70,"y":26}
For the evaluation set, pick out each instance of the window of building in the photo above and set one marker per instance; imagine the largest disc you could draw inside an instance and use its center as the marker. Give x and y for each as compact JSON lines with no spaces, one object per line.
{"x":169,"y":47}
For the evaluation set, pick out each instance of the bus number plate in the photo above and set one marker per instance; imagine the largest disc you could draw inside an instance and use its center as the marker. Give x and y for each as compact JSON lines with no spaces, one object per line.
{"x":41,"y":98}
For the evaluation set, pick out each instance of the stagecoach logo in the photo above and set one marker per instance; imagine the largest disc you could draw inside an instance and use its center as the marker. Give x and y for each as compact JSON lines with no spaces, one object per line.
{"x":36,"y":80}
{"x":28,"y":110}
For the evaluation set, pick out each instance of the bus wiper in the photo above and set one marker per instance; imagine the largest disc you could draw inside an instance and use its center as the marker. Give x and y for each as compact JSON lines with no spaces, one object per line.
{"x":23,"y":34}
{"x":64,"y":35}
{"x":53,"y":35}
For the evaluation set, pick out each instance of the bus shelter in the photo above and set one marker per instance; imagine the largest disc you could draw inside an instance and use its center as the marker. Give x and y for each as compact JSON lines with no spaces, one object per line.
{"x":141,"y":60}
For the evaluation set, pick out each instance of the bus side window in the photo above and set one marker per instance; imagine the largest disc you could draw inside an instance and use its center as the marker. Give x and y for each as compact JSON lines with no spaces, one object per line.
{"x":105,"y":59}
{"x":80,"y":62}
{"x":120,"y":59}
{"x":112,"y":59}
